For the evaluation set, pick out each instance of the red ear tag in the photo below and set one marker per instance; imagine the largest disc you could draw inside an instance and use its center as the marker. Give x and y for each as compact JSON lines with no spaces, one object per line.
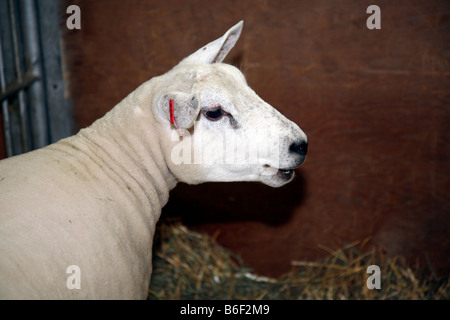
{"x":172,"y":112}
{"x":172,"y":117}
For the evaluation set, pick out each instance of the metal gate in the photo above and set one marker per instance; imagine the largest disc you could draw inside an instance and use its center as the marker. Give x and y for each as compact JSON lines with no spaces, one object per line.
{"x":34,"y":109}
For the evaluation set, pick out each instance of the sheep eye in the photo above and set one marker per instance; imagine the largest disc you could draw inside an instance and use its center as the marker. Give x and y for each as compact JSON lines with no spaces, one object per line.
{"x":214,"y":115}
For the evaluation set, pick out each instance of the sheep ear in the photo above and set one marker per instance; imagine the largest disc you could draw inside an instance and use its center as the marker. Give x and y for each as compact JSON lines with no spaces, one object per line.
{"x":217,"y":50}
{"x":186,"y":108}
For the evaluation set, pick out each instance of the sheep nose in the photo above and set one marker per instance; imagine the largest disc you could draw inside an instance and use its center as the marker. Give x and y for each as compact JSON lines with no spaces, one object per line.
{"x":299,"y":147}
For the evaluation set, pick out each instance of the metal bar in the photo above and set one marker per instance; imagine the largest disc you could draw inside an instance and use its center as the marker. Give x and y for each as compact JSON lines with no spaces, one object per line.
{"x":36,"y":93}
{"x":13,"y":88}
{"x":18,"y":69}
{"x":5,"y":111}
{"x":59,"y":109}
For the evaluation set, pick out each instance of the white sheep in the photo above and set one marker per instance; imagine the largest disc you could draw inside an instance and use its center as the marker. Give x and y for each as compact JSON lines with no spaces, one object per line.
{"x":88,"y":204}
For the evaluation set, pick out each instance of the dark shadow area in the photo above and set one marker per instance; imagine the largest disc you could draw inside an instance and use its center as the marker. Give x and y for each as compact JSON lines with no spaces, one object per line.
{"x":236,"y":201}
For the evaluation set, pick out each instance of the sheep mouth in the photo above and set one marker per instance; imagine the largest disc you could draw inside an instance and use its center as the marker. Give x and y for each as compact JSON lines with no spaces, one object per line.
{"x":276,"y":177}
{"x":285,"y":174}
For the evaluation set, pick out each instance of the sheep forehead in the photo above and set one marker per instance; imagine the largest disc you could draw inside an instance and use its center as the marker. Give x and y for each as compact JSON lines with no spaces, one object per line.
{"x":229,"y":71}
{"x":228,"y":81}
{"x":244,"y":98}
{"x":222,"y":77}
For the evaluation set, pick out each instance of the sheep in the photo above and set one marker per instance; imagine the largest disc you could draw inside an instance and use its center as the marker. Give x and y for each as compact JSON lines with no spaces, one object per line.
{"x":77,"y":218}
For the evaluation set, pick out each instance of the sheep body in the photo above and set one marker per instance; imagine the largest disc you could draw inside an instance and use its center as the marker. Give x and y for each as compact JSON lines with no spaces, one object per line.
{"x":92,"y":200}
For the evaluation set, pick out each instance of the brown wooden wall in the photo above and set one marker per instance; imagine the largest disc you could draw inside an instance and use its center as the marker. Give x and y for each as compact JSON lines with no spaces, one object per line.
{"x":374,"y":103}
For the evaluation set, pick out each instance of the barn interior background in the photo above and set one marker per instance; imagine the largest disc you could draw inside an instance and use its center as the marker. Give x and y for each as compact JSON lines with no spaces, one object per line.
{"x":374,"y":104}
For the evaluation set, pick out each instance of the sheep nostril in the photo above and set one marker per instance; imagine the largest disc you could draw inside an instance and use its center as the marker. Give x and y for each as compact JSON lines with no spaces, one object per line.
{"x":299,"y":147}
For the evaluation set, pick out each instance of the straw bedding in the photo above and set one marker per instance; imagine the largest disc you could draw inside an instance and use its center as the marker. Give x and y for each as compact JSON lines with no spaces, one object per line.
{"x":192,"y":265}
